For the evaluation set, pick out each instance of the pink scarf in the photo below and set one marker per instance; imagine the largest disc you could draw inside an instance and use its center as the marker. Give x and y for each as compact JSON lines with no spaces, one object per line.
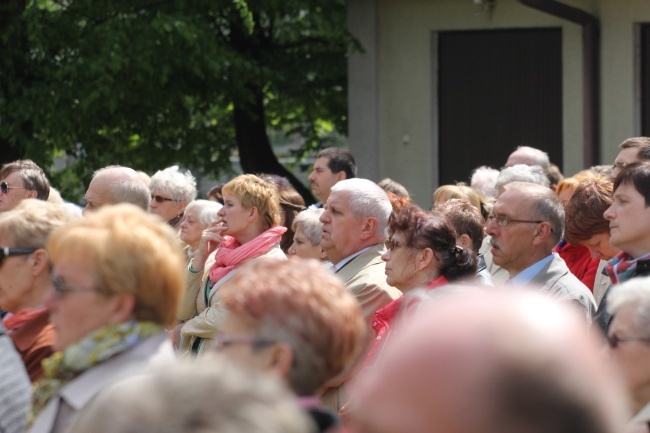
{"x":231,"y":253}
{"x":15,"y":321}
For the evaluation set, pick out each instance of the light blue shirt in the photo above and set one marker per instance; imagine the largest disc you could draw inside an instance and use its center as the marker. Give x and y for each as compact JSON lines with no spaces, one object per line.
{"x":524,"y":277}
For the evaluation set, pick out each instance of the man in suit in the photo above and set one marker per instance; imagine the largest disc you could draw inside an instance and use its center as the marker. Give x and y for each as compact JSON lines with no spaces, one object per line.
{"x":355,"y":227}
{"x":332,"y":165}
{"x":527,"y":221}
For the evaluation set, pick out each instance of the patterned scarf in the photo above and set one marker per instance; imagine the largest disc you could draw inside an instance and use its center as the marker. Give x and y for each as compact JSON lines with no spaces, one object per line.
{"x":622,"y":266}
{"x":97,"y":347}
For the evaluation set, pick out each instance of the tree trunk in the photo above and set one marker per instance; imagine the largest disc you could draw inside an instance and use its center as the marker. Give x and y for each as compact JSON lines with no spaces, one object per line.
{"x":255,"y":152}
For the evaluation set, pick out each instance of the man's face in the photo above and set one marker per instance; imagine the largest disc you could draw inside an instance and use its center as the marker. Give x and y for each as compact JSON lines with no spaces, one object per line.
{"x":633,"y":357}
{"x":512,"y":244}
{"x":16,"y":192}
{"x":625,"y":157}
{"x":341,"y":230}
{"x":628,"y":221}
{"x":98,"y":193}
{"x":322,"y":179}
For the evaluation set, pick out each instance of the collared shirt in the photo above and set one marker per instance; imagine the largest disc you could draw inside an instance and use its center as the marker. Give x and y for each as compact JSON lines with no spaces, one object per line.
{"x":526,"y":276}
{"x":348,"y":259}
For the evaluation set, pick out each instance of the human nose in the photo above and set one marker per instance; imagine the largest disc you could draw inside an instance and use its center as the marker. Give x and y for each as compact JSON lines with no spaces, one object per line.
{"x":609,"y":213}
{"x":614,"y":173}
{"x":311,"y":176}
{"x":51,"y":300}
{"x":386,"y":256}
{"x":491,"y":227}
{"x":221,"y":212}
{"x":594,"y":253}
{"x":292,"y":249}
{"x":324,"y":218}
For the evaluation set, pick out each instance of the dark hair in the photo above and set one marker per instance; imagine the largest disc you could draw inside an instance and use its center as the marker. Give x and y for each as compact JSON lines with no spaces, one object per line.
{"x":339,"y":160}
{"x":641,"y":143}
{"x":584,"y":212}
{"x":215,"y":192}
{"x":290,"y":201}
{"x":638,"y":174}
{"x":425,"y":230}
{"x":466,"y":219}
{"x":32,"y":175}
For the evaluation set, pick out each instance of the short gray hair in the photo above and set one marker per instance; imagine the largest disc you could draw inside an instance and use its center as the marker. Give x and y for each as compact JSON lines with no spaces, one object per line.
{"x":309,"y":222}
{"x":546,"y":206}
{"x":204,"y":396}
{"x":522,"y":173}
{"x":174,"y":183}
{"x":636,"y":293}
{"x":126,"y":186}
{"x":207,"y":210}
{"x":484,"y":180}
{"x":367,"y":199}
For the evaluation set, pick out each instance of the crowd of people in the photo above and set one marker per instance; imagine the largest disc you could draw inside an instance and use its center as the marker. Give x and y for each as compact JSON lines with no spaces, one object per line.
{"x":517,"y":302}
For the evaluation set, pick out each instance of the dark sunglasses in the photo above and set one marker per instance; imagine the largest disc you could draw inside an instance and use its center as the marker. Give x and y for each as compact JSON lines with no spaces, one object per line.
{"x":614,"y":340}
{"x":4,"y":187}
{"x":6,"y":252}
{"x":160,"y":198}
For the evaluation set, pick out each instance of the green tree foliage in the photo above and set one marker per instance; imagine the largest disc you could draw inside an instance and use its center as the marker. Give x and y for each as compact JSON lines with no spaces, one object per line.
{"x":149,"y":83}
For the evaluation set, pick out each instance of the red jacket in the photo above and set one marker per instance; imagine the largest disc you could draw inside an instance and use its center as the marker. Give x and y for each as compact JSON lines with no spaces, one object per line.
{"x":578,"y":260}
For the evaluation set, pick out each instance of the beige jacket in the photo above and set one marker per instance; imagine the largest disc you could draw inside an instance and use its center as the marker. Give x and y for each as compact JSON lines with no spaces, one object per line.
{"x":203,"y":319}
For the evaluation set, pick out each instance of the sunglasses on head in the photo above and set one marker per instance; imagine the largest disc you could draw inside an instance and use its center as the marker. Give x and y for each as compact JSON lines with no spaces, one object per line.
{"x":6,"y":252}
{"x":160,"y":198}
{"x":4,"y":187}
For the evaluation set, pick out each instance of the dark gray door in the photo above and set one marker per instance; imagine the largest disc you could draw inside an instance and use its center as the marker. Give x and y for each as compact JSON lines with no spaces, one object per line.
{"x":497,"y":90}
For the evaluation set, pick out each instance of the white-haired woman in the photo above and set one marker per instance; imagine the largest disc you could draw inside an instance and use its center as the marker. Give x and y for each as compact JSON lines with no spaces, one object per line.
{"x":171,"y":191}
{"x":308,"y":234}
{"x":198,"y":216}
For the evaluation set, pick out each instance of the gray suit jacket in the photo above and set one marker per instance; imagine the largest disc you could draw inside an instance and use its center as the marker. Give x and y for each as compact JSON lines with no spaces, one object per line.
{"x":365,"y":278}
{"x":556,"y":280}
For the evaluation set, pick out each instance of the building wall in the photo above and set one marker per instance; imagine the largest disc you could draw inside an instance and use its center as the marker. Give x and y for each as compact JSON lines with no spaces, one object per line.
{"x":404,"y":60}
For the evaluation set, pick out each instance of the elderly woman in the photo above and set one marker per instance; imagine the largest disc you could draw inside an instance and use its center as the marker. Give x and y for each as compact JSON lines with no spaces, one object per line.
{"x":308,"y":235}
{"x":248,"y":228}
{"x":198,"y":216}
{"x":118,"y":281}
{"x":421,"y":253}
{"x":171,"y":191}
{"x":25,"y":278}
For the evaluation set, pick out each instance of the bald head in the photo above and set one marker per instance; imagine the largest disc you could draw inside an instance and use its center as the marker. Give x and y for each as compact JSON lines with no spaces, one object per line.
{"x":116,"y":184}
{"x":529,"y":156}
{"x":489,"y":363}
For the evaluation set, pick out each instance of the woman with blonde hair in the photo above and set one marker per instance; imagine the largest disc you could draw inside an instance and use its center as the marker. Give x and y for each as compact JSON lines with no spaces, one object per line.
{"x":25,"y":278}
{"x":248,"y":228}
{"x":118,"y":280}
{"x":463,"y":192}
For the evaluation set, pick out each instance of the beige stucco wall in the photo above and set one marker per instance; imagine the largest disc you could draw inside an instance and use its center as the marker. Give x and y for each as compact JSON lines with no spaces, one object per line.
{"x":618,"y":59}
{"x":403,"y":125}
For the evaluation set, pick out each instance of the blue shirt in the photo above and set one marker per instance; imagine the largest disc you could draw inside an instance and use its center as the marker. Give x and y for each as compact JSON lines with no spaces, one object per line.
{"x":524,"y":277}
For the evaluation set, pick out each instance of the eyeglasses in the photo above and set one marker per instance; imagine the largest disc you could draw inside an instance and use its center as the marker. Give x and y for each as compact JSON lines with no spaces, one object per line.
{"x":160,"y":198}
{"x":392,"y":245}
{"x":619,"y":165}
{"x":614,"y":340}
{"x":504,"y":221}
{"x":4,"y":187}
{"x":60,"y":287}
{"x":222,"y":341}
{"x":6,"y":252}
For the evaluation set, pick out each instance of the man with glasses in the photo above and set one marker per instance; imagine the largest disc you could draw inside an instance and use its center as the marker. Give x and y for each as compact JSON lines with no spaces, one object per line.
{"x":116,"y":184}
{"x":635,"y":149}
{"x":20,"y":180}
{"x":629,"y":343}
{"x":527,"y":221}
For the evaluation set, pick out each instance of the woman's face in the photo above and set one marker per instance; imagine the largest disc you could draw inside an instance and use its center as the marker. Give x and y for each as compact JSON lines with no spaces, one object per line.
{"x":400,"y":264}
{"x":191,"y":228}
{"x":76,"y":308}
{"x":167,"y":208}
{"x":303,"y":248}
{"x":16,"y":280}
{"x":235,"y":217}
